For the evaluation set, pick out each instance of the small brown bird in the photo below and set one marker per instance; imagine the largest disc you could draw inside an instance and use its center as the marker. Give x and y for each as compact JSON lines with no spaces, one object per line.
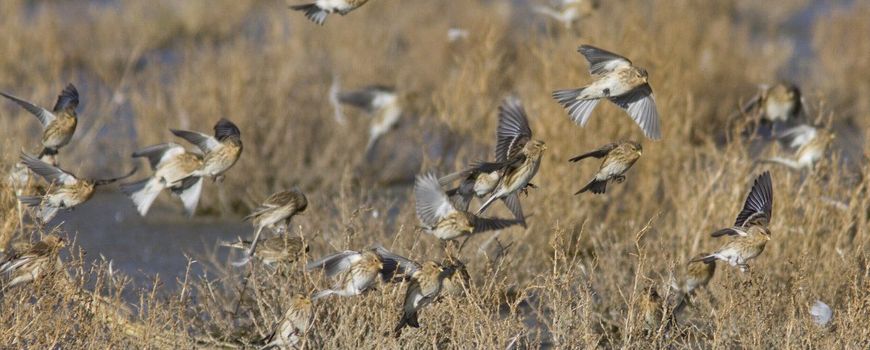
{"x":39,"y":259}
{"x":811,"y":143}
{"x":296,"y":321}
{"x":355,"y":272}
{"x":58,"y":125}
{"x":273,"y":250}
{"x":66,"y":191}
{"x":567,"y":12}
{"x":319,"y":9}
{"x":457,"y":282}
{"x":517,"y":153}
{"x":444,"y":221}
{"x":173,"y":166}
{"x":618,"y":159}
{"x":425,"y":286}
{"x":779,"y":103}
{"x":696,"y":275}
{"x":651,"y":310}
{"x":381,"y":102}
{"x":749,"y":233}
{"x":221,"y":151}
{"x":478,"y":180}
{"x":617,"y":80}
{"x":280,"y":207}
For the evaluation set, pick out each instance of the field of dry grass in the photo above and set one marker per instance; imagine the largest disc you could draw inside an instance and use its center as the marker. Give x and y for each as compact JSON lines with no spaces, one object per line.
{"x":572,"y":279}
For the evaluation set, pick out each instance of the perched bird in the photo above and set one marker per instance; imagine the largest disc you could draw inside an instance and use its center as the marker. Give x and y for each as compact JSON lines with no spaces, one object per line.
{"x":280,"y":207}
{"x":173,"y":167}
{"x":749,"y":233}
{"x":380,"y":101}
{"x":618,"y":158}
{"x":58,"y":125}
{"x":651,"y":310}
{"x":811,"y":144}
{"x":66,"y":190}
{"x":275,"y":249}
{"x":426,"y":284}
{"x":696,"y":275}
{"x":458,"y":281}
{"x":567,"y":12}
{"x":296,"y":321}
{"x":779,"y":103}
{"x":221,"y":151}
{"x":319,"y":9}
{"x":355,"y":272}
{"x":444,"y":221}
{"x":32,"y":263}
{"x":617,"y":80}
{"x":517,"y":153}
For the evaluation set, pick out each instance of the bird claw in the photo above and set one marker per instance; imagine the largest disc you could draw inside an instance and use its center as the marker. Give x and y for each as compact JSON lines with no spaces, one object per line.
{"x":619,"y":179}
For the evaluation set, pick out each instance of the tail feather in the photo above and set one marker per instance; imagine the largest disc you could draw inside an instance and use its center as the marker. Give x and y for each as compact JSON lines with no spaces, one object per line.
{"x":409,"y":319}
{"x":312,"y":12}
{"x":578,"y":110}
{"x":595,"y":186}
{"x":143,"y":193}
{"x":31,"y":201}
{"x":322,"y":294}
{"x":709,"y":259}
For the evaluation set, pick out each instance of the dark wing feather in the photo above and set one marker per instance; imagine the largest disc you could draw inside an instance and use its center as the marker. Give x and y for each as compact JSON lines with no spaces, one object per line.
{"x":102,"y":182}
{"x":225,"y":128}
{"x":602,"y":61}
{"x":513,"y":129}
{"x":396,"y":267}
{"x":598,"y":153}
{"x":68,"y":99}
{"x":490,"y":224}
{"x":48,"y":171}
{"x":512,"y":201}
{"x":205,"y":142}
{"x":156,"y":153}
{"x":759,"y":203}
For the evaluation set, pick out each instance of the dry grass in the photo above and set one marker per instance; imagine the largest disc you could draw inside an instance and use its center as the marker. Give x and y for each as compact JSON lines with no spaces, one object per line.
{"x":571,"y":280}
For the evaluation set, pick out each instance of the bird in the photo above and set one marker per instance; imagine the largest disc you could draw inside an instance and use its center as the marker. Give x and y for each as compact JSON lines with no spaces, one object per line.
{"x":441,"y":219}
{"x":651,"y":310}
{"x":380,"y":101}
{"x":273,"y":250}
{"x":66,"y":190}
{"x":750,"y":233}
{"x":619,"y":81}
{"x":280,"y":207}
{"x":295,"y":322}
{"x":173,"y":167}
{"x":811,"y":144}
{"x":458,"y":281}
{"x":696,"y":275}
{"x":354,"y":272}
{"x":425,"y":286}
{"x":619,"y":157}
{"x":319,"y":9}
{"x":221,"y":151}
{"x":34,"y":262}
{"x":567,"y":12}
{"x":478,"y":180}
{"x":518,"y":154}
{"x":779,"y":103}
{"x":58,"y":125}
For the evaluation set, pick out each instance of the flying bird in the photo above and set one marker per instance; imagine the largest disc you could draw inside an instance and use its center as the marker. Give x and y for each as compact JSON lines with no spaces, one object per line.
{"x":279,"y":208}
{"x":296,"y":321}
{"x":441,"y":219}
{"x":426,"y":284}
{"x":380,"y":101}
{"x":517,"y":153}
{"x":58,"y":124}
{"x":273,"y":250}
{"x":567,"y":12}
{"x":36,"y":261}
{"x":779,"y":103}
{"x":618,"y":159}
{"x":319,"y":9}
{"x":221,"y":151}
{"x":810,"y":143}
{"x":619,"y":81}
{"x":173,"y":168}
{"x":356,"y":271}
{"x":697,"y":274}
{"x":66,"y":190}
{"x":750,"y":233}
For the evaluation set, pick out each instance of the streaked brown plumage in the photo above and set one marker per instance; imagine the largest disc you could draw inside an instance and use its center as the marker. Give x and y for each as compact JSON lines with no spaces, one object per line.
{"x":58,"y":125}
{"x":293,"y":325}
{"x":280,"y":207}
{"x":66,"y":190}
{"x":811,"y":143}
{"x":620,"y":82}
{"x":173,"y":167}
{"x":779,"y":103}
{"x":221,"y":151}
{"x":425,"y":286}
{"x":618,"y":159}
{"x":381,"y":102}
{"x":750,"y":234}
{"x":273,"y":250}
{"x":475,"y":182}
{"x":697,"y":274}
{"x":651,"y":309}
{"x":354,"y":272}
{"x":39,"y":259}
{"x":458,"y":281}
{"x":440,"y":218}
{"x":319,"y":9}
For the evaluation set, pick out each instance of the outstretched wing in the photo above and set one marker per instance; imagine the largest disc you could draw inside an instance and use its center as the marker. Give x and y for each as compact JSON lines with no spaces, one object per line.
{"x":513,"y":129}
{"x":48,"y":171}
{"x":598,"y":153}
{"x":602,"y":61}
{"x":45,"y":116}
{"x":759,"y":204}
{"x":641,"y":106}
{"x":160,"y":153}
{"x":335,"y":263}
{"x":432,"y":203}
{"x":205,"y":142}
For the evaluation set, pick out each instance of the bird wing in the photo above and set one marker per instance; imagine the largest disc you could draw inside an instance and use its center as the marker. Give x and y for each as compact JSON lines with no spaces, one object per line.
{"x":189,"y":193}
{"x":369,"y":98}
{"x":225,"y":128}
{"x":512,"y":201}
{"x":759,"y":203}
{"x":45,"y":116}
{"x":396,"y":267}
{"x":48,"y":171}
{"x":205,"y":142}
{"x":598,"y":153}
{"x":335,"y":263}
{"x":432,"y":203}
{"x":160,"y":153}
{"x":798,"y":136}
{"x":641,"y":106}
{"x":513,"y":129}
{"x":68,"y":98}
{"x":730,"y":231}
{"x":602,"y":61}
{"x":490,"y":224}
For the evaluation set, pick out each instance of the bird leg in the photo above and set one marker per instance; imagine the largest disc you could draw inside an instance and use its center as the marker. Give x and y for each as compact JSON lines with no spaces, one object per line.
{"x":619,"y":179}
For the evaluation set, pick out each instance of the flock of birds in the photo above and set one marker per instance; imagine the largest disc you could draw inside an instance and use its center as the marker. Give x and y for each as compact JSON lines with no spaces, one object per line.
{"x":442,"y":204}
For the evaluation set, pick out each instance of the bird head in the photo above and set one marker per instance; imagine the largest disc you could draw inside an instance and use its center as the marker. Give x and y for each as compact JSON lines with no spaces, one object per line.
{"x":300,"y":300}
{"x":636,"y":146}
{"x":643,"y":75}
{"x":54,"y":241}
